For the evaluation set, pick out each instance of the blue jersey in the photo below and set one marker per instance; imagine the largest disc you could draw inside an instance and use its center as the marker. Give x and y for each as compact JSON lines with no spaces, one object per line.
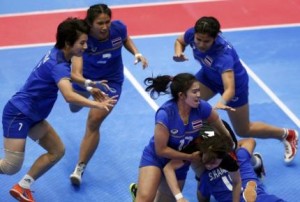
{"x":217,"y":182}
{"x":37,"y":97}
{"x":103,"y":59}
{"x":180,"y":134}
{"x":219,"y":58}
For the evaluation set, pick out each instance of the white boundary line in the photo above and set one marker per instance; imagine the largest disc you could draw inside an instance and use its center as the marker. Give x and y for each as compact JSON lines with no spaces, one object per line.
{"x":140,"y":89}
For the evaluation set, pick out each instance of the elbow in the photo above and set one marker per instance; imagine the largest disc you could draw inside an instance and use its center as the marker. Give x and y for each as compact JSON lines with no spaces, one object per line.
{"x":69,"y":98}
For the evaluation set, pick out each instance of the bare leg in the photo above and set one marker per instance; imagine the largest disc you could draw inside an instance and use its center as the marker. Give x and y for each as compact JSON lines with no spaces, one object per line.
{"x":244,"y":128}
{"x":206,"y":93}
{"x":89,"y":142}
{"x":50,"y":141}
{"x":148,"y":182}
{"x":91,"y":138}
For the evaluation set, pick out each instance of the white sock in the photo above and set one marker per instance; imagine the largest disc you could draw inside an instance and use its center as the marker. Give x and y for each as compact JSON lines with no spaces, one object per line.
{"x":26,"y":181}
{"x":285,"y":133}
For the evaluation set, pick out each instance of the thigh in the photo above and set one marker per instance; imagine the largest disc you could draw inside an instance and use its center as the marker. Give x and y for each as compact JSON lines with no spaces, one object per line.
{"x":240,"y":119}
{"x":207,"y":90}
{"x":148,"y":182}
{"x":46,"y":136}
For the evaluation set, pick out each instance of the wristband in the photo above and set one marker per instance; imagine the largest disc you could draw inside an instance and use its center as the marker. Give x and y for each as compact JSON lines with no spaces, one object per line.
{"x":178,"y":196}
{"x":89,"y":88}
{"x":87,"y":82}
{"x":138,"y":55}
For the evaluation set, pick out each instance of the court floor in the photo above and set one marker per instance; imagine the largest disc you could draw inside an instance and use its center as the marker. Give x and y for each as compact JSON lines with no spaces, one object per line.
{"x":268,"y":46}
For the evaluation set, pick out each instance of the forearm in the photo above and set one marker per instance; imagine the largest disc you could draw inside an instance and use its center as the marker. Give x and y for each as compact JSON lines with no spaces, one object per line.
{"x":170,"y":153}
{"x":178,"y":47}
{"x":236,"y":192}
{"x":170,"y":176}
{"x":77,"y":99}
{"x":130,"y":46}
{"x":227,"y":96}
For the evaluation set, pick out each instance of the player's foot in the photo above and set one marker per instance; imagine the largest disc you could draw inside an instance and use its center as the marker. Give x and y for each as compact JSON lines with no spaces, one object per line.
{"x":291,"y":145}
{"x":133,"y":190}
{"x":260,"y":170}
{"x":249,"y":193}
{"x":21,"y":194}
{"x":76,"y":176}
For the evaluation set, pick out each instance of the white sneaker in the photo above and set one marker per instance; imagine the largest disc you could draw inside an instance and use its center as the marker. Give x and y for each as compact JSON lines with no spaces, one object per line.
{"x":75,"y":177}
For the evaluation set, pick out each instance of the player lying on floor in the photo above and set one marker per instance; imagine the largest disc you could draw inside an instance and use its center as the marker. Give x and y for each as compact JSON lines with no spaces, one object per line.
{"x":220,"y":178}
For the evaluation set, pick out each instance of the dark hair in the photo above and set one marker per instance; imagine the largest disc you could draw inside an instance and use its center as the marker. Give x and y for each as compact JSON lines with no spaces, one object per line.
{"x":213,"y":144}
{"x":69,"y":31}
{"x":179,"y":83}
{"x":95,"y":10}
{"x":208,"y":25}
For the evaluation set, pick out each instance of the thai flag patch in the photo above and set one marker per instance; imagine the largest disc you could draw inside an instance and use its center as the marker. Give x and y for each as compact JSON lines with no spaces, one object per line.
{"x":116,"y":42}
{"x":208,"y":61}
{"x":197,"y":124}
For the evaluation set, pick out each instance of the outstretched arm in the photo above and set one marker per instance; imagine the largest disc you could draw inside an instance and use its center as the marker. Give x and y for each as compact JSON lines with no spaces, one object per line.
{"x":70,"y":96}
{"x":229,"y":91}
{"x":179,"y":48}
{"x":130,"y":46}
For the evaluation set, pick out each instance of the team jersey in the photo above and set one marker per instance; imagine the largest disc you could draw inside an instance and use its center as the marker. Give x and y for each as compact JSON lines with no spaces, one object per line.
{"x":217,"y":182}
{"x":180,"y":134}
{"x":219,"y":58}
{"x":38,"y":95}
{"x":103,"y":59}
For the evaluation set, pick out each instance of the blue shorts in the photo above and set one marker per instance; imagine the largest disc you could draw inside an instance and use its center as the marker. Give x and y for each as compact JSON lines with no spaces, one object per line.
{"x":115,"y":89}
{"x":149,"y":158}
{"x":15,"y":124}
{"x":238,"y":100}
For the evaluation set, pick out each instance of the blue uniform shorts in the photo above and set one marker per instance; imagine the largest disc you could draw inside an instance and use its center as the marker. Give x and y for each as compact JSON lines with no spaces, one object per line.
{"x":149,"y":158}
{"x":240,"y":98}
{"x":15,"y":124}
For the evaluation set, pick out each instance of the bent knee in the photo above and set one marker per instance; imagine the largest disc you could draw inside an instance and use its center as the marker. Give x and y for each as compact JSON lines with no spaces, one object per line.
{"x":12,"y":162}
{"x":57,"y":155}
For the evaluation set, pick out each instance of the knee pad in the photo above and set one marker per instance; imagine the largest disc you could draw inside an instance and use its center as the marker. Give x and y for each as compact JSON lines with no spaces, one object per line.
{"x":12,"y":162}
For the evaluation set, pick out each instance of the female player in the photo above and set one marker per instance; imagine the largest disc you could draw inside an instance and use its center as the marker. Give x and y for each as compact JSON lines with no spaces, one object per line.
{"x":222,"y":72}
{"x":101,"y":61}
{"x":26,"y":112}
{"x":177,"y":123}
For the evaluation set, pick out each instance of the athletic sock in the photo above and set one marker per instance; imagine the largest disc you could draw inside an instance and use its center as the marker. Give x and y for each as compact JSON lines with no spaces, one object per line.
{"x":26,"y":181}
{"x":285,"y":133}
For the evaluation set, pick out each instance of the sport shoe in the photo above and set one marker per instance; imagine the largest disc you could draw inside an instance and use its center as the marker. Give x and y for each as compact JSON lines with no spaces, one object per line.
{"x":133,"y":190}
{"x":260,"y":170}
{"x":249,"y":193}
{"x":21,"y":194}
{"x":291,"y":145}
{"x":75,"y":177}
